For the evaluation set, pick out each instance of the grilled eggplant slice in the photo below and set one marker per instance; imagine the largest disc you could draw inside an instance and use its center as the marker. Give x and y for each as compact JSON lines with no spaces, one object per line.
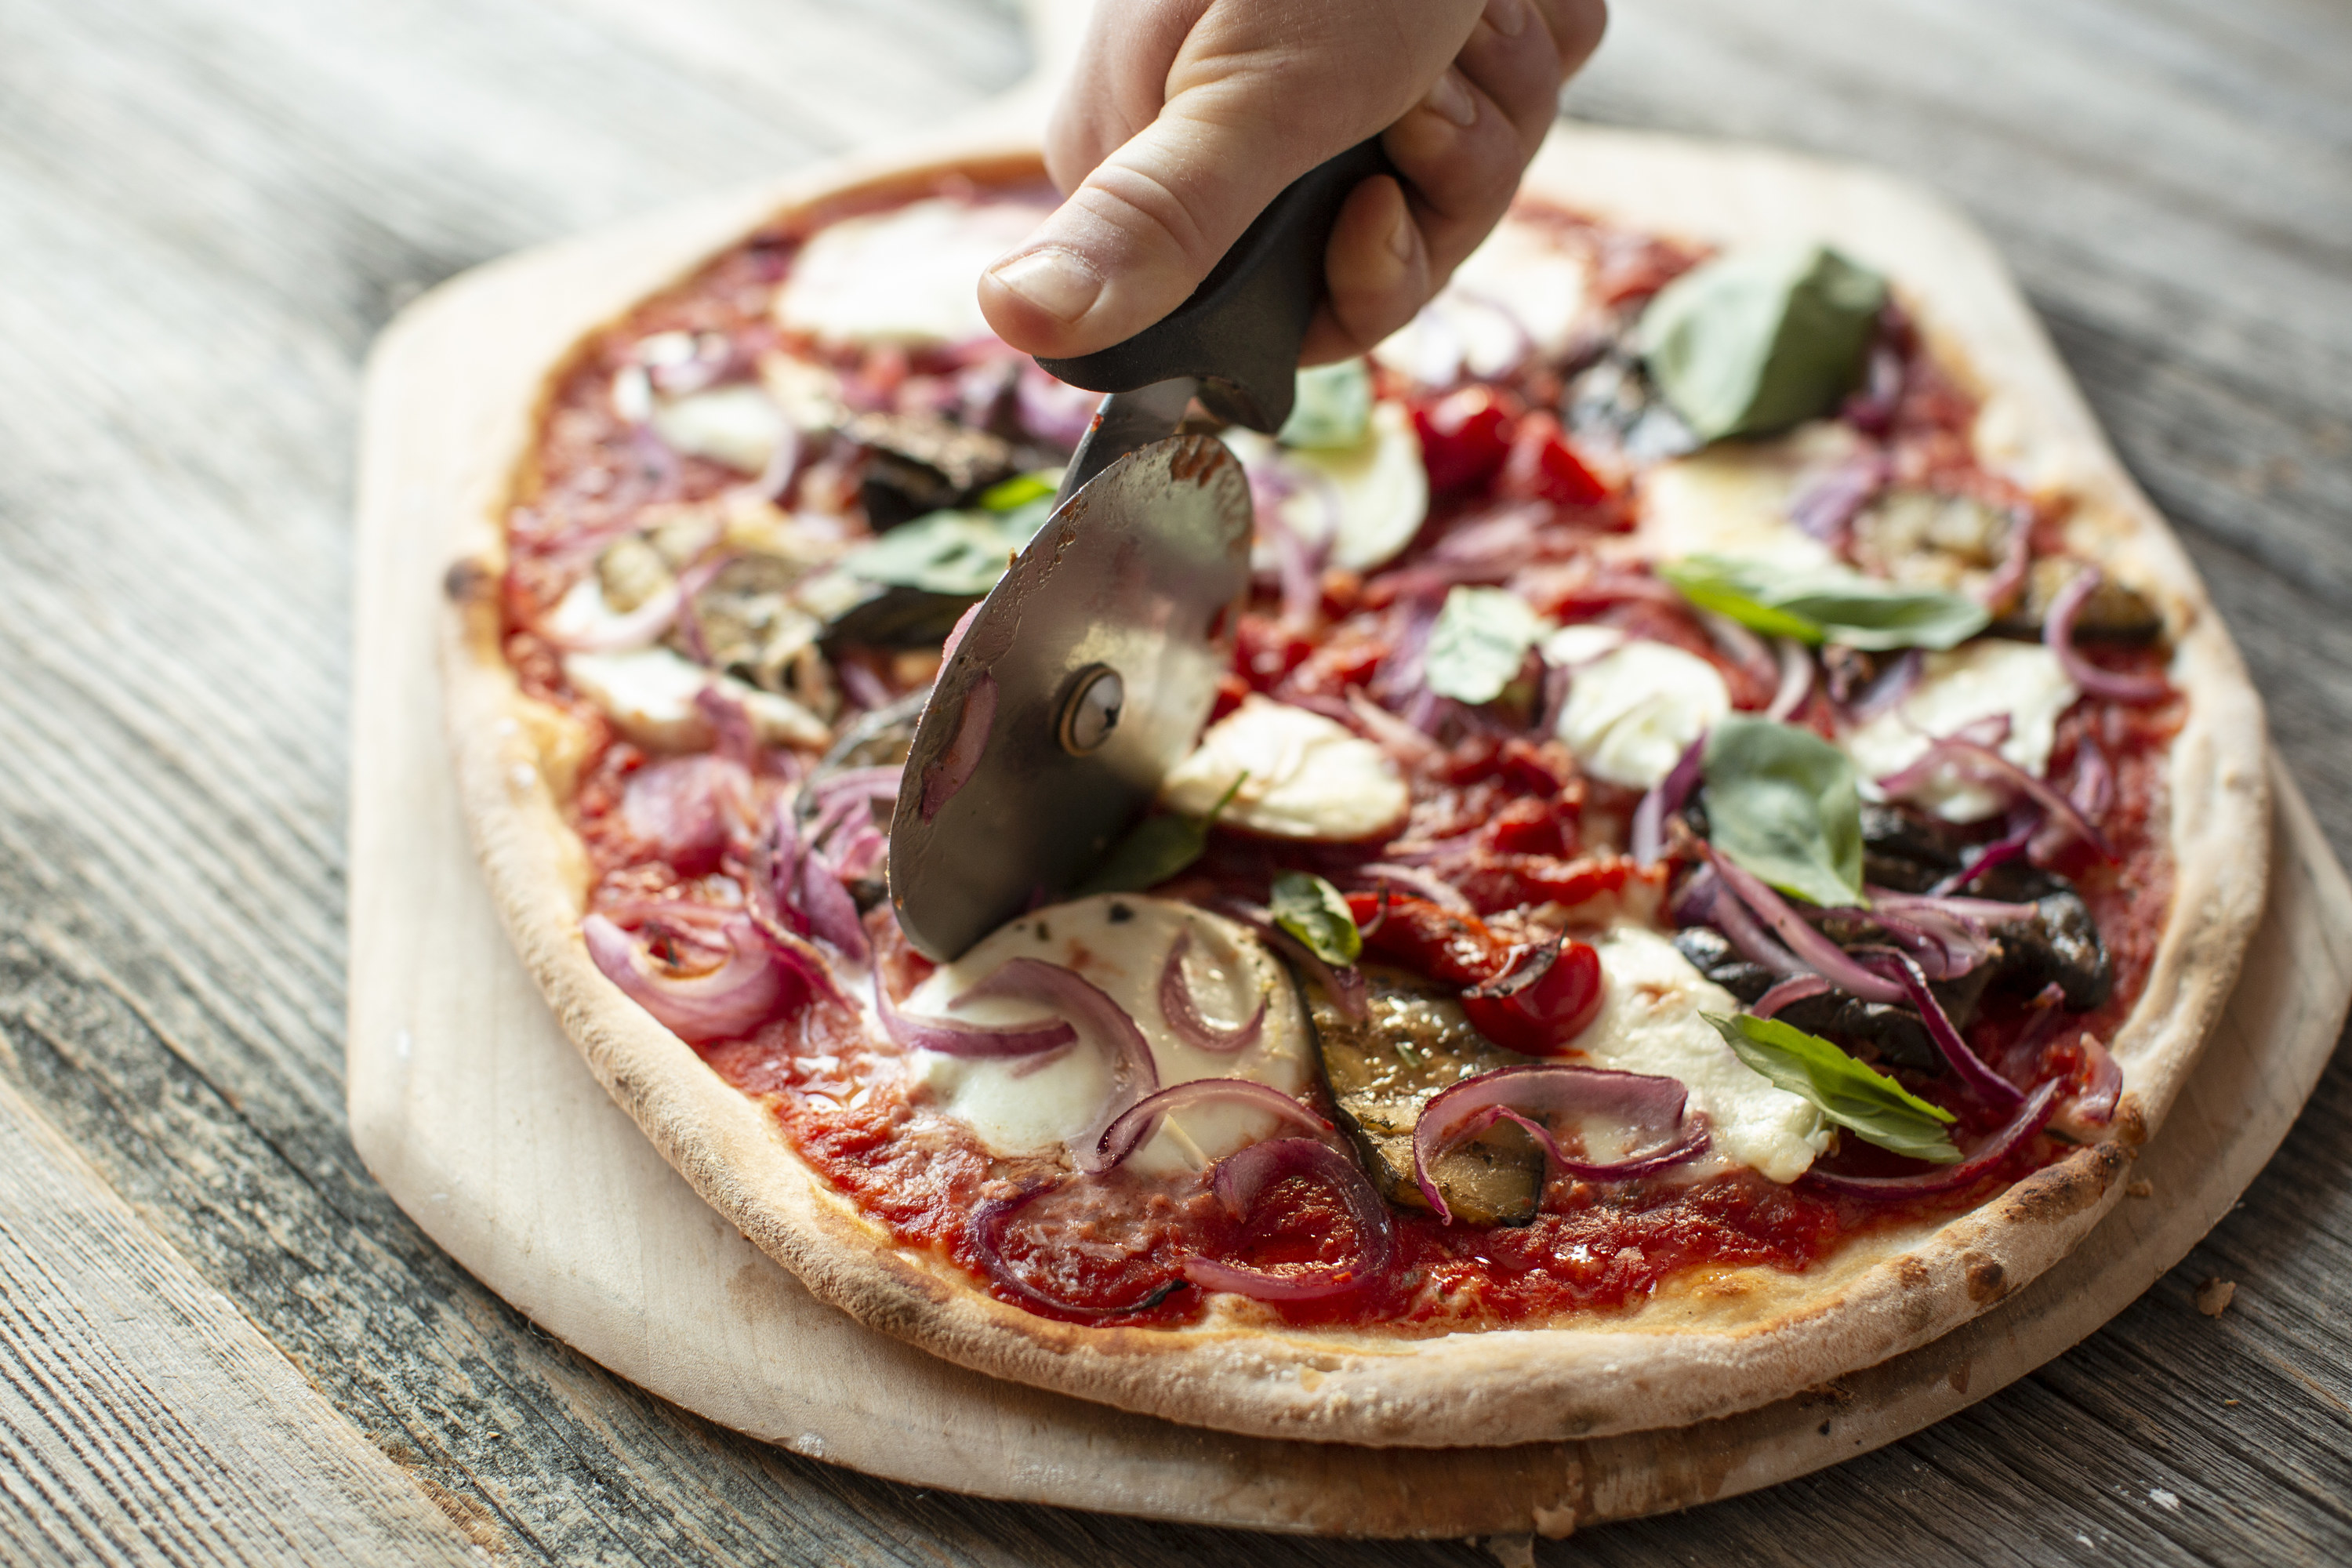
{"x":1382,"y":1069}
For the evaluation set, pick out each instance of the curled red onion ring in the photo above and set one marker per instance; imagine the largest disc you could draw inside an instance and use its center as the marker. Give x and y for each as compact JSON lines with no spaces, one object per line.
{"x":1242,"y":1176}
{"x":725,"y":1002}
{"x":2058,"y":634}
{"x":970,"y":1042}
{"x":956,"y":764}
{"x":1411,"y":879}
{"x":873,"y":784}
{"x":2093,"y":1105}
{"x":2030,"y":1119}
{"x":2024,"y":826}
{"x":1133,"y":1128}
{"x":1986,"y":1084}
{"x":1344,"y":987}
{"x":1467,"y":1108}
{"x":1826,"y":508}
{"x":800,"y":956}
{"x":1795,"y":678}
{"x":1989,"y":767}
{"x":1184,"y":1020}
{"x":1134,"y":1073}
{"x":1796,"y":988}
{"x":987,"y":1223}
{"x":1647,"y":837}
{"x":1816,"y":952}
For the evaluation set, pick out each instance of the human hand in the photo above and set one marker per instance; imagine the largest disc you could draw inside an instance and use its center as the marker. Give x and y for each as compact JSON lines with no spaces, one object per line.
{"x":1184,"y":118}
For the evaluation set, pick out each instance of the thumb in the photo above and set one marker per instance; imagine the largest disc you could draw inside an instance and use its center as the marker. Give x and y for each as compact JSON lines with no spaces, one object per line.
{"x":1142,"y":230}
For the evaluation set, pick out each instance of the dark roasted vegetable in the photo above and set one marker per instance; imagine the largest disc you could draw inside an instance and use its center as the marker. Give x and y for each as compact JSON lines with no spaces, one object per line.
{"x":918,"y":463}
{"x":1897,"y":1032}
{"x":1381,"y":1070}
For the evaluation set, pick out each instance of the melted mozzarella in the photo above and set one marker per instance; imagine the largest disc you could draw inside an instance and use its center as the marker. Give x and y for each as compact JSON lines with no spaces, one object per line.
{"x":738,"y":425}
{"x":1519,"y":292}
{"x":1307,"y":776}
{"x":1633,"y":711}
{"x":1119,"y":942}
{"x":1733,"y":497}
{"x":1979,"y":680}
{"x":908,"y":275}
{"x":1367,"y":500}
{"x":649,"y":694}
{"x":1650,"y":1023}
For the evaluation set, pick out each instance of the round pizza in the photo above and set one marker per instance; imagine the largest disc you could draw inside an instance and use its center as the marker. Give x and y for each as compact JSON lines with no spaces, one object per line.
{"x":1714,"y":843}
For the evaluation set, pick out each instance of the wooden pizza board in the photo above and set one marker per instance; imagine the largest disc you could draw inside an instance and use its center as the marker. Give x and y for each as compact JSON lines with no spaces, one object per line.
{"x":479,"y":1118}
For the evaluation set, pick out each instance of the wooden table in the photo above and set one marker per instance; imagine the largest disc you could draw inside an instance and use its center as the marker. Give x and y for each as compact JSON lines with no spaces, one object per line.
{"x":218,"y":1339}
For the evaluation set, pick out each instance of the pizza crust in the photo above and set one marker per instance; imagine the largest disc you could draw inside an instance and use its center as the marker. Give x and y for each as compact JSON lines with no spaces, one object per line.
{"x":1705,"y":1346}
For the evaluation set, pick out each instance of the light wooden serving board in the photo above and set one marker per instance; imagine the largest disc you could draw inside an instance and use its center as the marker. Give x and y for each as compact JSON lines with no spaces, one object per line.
{"x":475,"y":1111}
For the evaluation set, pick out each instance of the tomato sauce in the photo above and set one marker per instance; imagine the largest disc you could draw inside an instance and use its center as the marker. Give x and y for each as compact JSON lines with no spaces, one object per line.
{"x":1506,"y":819}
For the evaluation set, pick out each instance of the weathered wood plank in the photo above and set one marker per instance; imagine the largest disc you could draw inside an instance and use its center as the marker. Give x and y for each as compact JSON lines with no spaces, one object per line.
{"x":143,"y":1420}
{"x":209,"y":210}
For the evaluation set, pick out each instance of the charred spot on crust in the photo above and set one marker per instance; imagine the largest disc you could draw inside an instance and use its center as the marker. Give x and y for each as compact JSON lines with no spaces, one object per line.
{"x":1988,"y":1282}
{"x":468,"y":581}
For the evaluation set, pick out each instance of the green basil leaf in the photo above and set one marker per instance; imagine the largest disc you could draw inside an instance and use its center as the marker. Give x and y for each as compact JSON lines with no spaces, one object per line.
{"x":1007,"y":495}
{"x":1827,"y":603}
{"x":1757,"y":340}
{"x":1313,"y":911}
{"x":1333,"y":406}
{"x":1479,"y":644}
{"x":1156,"y":849}
{"x":1784,"y":804}
{"x":952,"y":553}
{"x":1871,"y":1105}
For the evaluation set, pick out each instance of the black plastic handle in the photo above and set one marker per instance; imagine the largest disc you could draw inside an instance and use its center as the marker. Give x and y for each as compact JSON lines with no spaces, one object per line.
{"x":1240,"y":333}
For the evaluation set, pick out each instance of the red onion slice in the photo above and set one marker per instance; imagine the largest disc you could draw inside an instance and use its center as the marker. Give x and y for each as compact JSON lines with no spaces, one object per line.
{"x":801,"y":957}
{"x":987,"y":1223}
{"x":1405,"y":745}
{"x":641,"y":625}
{"x":725,"y":1002}
{"x":1647,"y":837}
{"x":1818,"y":952}
{"x":872,"y":783}
{"x":2024,"y":826}
{"x":1420,"y":884}
{"x":1133,"y":1127}
{"x":970,"y":1042}
{"x":1239,"y":1179}
{"x":2058,"y":634}
{"x":1889,"y":687}
{"x":1986,"y":1084}
{"x":955,"y":767}
{"x":1794,"y":989}
{"x":1184,"y":1020}
{"x":2093,"y":1105}
{"x":1344,"y":987}
{"x":2030,"y":1119}
{"x":1988,"y":911}
{"x":1795,"y":678}
{"x":1988,"y":767}
{"x":1134,"y":1074}
{"x":1470,"y":1106}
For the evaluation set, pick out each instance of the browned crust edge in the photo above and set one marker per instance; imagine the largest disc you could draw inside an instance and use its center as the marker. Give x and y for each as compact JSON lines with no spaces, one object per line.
{"x":1687,"y":1356}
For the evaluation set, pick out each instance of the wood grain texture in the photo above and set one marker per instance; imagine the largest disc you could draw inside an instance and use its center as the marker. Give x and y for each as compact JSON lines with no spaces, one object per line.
{"x":210,"y":207}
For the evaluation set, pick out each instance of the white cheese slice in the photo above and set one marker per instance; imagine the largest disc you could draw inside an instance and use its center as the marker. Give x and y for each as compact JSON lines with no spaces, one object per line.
{"x":1649,"y":1023}
{"x":1633,"y":711}
{"x":583,"y":617}
{"x":649,"y":692}
{"x":1978,"y":680}
{"x":908,"y":275}
{"x":1581,"y":644}
{"x":1119,"y":942}
{"x":1733,"y":497}
{"x":1367,"y":500}
{"x":1520,"y":291}
{"x":738,"y":426}
{"x":1307,"y":776}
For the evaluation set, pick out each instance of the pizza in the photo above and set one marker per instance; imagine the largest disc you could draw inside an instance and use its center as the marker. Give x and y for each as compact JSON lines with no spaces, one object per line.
{"x":1727,"y":822}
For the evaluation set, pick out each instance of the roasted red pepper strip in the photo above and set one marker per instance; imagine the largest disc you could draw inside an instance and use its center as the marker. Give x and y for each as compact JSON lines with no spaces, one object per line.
{"x":1466,"y":437}
{"x":1430,"y":939}
{"x":1542,"y":1002}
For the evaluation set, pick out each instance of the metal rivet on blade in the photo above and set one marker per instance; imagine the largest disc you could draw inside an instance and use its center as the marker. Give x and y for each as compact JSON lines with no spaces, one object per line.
{"x":1091,"y":711}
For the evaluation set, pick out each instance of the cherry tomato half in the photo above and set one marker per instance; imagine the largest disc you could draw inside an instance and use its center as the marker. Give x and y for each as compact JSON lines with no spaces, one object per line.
{"x":1429,"y":938}
{"x":1542,"y":1002}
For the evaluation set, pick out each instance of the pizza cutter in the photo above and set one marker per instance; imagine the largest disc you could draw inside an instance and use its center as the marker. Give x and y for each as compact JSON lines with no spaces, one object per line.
{"x":1085,"y":674}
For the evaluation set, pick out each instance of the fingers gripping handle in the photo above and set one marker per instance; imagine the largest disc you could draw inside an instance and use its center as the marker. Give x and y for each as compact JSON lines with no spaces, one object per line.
{"x":1240,"y":333}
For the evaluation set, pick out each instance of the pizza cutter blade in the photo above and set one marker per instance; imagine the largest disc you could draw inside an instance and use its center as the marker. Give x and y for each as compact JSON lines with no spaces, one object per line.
{"x":1087,"y":672}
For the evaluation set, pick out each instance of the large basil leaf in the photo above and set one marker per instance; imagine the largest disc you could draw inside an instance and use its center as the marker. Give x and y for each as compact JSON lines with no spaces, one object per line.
{"x":1313,"y":911}
{"x":1873,"y":1106}
{"x":1479,"y":644}
{"x":960,"y":553}
{"x":1826,"y":603}
{"x":1783,"y":804}
{"x":1757,"y":340}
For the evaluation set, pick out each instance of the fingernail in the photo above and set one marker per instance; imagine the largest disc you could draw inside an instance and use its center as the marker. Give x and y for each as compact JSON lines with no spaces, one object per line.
{"x":1057,"y":281}
{"x":1506,"y":17}
{"x":1449,"y":99}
